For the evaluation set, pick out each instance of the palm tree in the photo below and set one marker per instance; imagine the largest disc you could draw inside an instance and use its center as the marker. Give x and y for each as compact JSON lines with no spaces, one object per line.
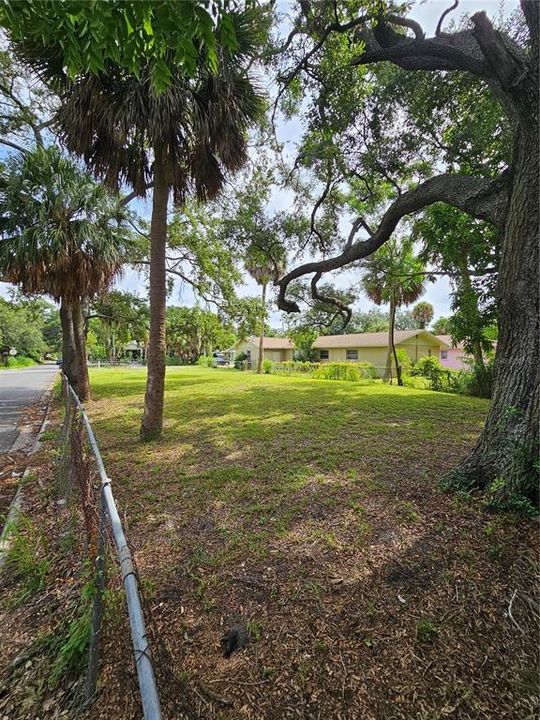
{"x":61,"y":235}
{"x":264,"y":261}
{"x":184,"y":139}
{"x":422,"y":312}
{"x":395,"y":276}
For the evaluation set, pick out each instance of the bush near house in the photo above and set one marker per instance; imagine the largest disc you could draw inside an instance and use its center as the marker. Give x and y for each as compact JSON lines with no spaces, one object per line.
{"x":353,"y":372}
{"x":404,"y":361}
{"x":477,"y":381}
{"x":240,"y":361}
{"x":295,"y":367}
{"x":204,"y":361}
{"x":367,"y":370}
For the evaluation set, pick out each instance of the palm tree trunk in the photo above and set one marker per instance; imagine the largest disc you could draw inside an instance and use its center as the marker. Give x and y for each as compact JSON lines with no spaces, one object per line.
{"x":261,"y":337}
{"x":398,"y":366}
{"x":392,"y":341}
{"x":152,"y":422}
{"x":81,"y":383}
{"x":68,"y":341}
{"x":388,"y":369}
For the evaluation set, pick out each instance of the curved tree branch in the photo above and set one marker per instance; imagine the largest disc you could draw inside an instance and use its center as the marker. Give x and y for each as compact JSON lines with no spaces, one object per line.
{"x":13,"y":145}
{"x":485,"y":199}
{"x":438,"y":31}
{"x":343,"y":310}
{"x":408,"y":23}
{"x":456,"y":51}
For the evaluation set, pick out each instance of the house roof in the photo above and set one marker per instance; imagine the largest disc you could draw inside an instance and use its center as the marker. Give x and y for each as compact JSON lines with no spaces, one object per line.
{"x":374,"y":339}
{"x":269,"y":343}
{"x":448,"y":340}
{"x":459,"y":346}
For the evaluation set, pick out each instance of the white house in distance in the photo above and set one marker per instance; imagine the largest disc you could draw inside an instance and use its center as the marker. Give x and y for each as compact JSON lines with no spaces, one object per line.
{"x":276,"y":349}
{"x":373,"y":346}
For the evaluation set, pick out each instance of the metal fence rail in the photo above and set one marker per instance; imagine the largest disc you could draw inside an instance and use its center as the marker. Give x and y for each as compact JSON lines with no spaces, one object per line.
{"x":108,"y":514}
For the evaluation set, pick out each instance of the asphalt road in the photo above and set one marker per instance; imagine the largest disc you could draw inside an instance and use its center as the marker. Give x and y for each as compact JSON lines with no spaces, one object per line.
{"x":18,"y":389}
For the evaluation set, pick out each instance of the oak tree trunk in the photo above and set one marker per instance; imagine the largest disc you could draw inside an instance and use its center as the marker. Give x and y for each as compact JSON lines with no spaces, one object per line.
{"x":152,"y":422}
{"x":505,"y":457}
{"x":261,"y":336}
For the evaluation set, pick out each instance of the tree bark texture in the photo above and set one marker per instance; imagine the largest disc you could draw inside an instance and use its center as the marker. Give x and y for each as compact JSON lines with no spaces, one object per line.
{"x":82,"y":381}
{"x":74,"y":362}
{"x":68,"y":341}
{"x":152,"y":422}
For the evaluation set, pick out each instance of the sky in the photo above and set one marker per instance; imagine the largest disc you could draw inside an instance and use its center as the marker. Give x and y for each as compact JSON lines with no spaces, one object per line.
{"x":427,"y":13}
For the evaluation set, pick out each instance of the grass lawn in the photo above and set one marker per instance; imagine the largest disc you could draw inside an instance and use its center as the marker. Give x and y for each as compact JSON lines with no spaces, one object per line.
{"x":309,"y":511}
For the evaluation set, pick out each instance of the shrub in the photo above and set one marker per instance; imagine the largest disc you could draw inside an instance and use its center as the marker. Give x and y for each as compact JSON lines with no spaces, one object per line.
{"x":17,"y":361}
{"x":174,"y":360}
{"x":479,"y":380}
{"x":404,"y":361}
{"x":417,"y":382}
{"x":441,"y":378}
{"x":339,"y":371}
{"x":267,"y":366}
{"x":294,"y":367}
{"x":240,"y":361}
{"x":367,"y":370}
{"x":205,"y":361}
{"x":428,"y":366}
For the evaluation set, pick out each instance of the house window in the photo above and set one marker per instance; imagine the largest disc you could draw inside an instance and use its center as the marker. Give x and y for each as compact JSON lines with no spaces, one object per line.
{"x":444,"y":354}
{"x":352,"y":354}
{"x":324,"y":354}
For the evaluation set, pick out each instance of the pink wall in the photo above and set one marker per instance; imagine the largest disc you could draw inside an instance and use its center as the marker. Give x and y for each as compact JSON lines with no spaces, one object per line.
{"x":455,"y":359}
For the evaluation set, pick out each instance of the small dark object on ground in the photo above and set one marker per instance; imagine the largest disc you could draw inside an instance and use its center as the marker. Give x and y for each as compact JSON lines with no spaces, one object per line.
{"x":235,"y":639}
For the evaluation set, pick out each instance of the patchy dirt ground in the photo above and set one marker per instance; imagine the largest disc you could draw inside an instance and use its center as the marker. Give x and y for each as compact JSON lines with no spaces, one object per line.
{"x":307,"y":514}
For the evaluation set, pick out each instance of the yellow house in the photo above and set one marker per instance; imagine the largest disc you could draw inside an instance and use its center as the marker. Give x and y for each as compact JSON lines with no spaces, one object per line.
{"x":373,"y":347}
{"x":275,"y":349}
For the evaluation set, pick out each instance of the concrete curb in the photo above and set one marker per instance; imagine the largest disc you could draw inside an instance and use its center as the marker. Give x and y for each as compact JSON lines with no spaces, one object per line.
{"x":15,"y":506}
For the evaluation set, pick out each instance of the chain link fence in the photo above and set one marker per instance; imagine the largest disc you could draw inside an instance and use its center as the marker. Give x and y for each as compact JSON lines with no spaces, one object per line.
{"x":81,"y":473}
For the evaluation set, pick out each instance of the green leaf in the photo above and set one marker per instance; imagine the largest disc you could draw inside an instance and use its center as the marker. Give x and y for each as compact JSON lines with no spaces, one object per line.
{"x":147,"y":24}
{"x":128,"y":24}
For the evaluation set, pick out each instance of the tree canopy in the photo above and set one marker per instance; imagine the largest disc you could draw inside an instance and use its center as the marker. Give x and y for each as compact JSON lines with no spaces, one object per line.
{"x":133,"y":35}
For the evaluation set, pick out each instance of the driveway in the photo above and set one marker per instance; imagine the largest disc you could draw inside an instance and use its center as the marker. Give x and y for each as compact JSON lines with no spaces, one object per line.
{"x":18,"y":389}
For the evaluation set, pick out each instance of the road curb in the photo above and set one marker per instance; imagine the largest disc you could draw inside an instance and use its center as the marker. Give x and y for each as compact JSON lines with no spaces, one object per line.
{"x":24,"y":441}
{"x":15,"y":506}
